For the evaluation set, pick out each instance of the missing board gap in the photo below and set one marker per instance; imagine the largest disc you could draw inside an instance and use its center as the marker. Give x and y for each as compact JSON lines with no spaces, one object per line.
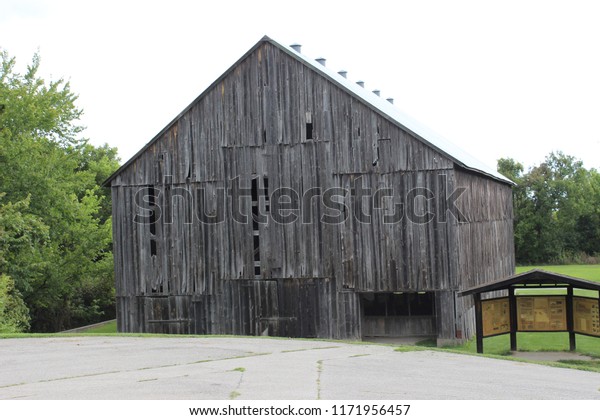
{"x":152,"y":203}
{"x":376,"y":158}
{"x":309,"y":126}
{"x":266,"y":193}
{"x":254,"y":189}
{"x":256,"y":243}
{"x":309,"y":131}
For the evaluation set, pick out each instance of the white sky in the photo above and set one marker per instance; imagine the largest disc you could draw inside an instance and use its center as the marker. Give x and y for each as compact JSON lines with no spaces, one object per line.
{"x":517,"y":79}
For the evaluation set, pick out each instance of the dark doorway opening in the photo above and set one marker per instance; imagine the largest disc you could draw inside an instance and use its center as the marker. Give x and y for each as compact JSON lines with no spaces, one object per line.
{"x":399,"y":314}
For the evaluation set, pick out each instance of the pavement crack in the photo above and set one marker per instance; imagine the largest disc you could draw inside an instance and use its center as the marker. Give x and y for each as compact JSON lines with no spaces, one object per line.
{"x":319,"y":371}
{"x":312,"y":348}
{"x":145,"y":368}
{"x":63,"y":378}
{"x":235,"y":393}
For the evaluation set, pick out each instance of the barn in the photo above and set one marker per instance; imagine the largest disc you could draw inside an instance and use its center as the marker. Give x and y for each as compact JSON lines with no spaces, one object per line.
{"x":287,"y":200}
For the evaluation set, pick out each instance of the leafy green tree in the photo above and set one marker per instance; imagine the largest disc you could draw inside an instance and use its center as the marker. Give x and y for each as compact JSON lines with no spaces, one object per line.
{"x":66,"y":278}
{"x":557,"y":209}
{"x":587,"y":223}
{"x":511,"y":169}
{"x":14,"y":315}
{"x":21,"y":237}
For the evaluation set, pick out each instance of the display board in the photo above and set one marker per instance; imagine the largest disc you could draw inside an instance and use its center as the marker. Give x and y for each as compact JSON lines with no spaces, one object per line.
{"x":495,"y":316}
{"x":586,"y":316}
{"x":541,"y":313}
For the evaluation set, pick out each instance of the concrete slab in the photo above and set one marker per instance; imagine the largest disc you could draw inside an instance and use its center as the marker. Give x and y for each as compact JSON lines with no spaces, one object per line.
{"x":264,"y":368}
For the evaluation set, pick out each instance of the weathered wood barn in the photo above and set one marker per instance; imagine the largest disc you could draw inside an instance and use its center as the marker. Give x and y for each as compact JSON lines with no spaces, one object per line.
{"x":287,"y":200}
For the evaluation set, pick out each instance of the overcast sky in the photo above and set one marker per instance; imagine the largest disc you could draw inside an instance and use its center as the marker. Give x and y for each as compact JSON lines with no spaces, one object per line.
{"x":499,"y":79}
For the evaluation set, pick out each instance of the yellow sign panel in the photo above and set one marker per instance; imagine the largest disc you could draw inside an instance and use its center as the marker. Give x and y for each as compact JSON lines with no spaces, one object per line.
{"x":586,"y":316}
{"x":495,"y":316}
{"x":541,"y":313}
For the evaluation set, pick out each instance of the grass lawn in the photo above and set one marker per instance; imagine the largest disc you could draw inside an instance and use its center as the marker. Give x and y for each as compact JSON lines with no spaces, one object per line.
{"x":587,"y":272}
{"x":550,"y":341}
{"x":108,"y":328}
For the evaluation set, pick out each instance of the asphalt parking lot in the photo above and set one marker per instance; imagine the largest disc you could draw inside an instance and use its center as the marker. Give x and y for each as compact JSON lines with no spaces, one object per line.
{"x":264,"y":368}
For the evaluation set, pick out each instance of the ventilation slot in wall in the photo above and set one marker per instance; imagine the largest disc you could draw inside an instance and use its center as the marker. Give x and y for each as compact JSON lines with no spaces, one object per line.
{"x":255,"y":229}
{"x":151,"y":194}
{"x":260,"y":208}
{"x":309,"y":126}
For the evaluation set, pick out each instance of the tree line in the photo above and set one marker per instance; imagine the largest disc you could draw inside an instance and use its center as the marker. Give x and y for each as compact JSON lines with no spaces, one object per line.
{"x":556,"y":210}
{"x":56,"y":267}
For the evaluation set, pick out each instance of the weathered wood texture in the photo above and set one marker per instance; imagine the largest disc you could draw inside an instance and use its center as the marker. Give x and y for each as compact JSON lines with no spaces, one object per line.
{"x":274,"y":119}
{"x":398,"y":326}
{"x":484,"y":240}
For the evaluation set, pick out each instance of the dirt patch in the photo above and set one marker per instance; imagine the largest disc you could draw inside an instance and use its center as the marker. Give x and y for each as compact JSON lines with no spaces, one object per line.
{"x":550,"y":356}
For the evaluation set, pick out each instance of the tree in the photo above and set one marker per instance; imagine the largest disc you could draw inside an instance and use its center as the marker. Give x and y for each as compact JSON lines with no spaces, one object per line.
{"x":54,"y":176}
{"x":20,"y":235}
{"x":557,"y":206}
{"x":14,"y":315}
{"x":587,"y":223}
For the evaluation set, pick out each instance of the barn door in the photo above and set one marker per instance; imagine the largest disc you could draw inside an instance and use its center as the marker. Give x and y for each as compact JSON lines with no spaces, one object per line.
{"x":259,"y":307}
{"x":242,"y":307}
{"x":283,"y":308}
{"x":166,"y":314}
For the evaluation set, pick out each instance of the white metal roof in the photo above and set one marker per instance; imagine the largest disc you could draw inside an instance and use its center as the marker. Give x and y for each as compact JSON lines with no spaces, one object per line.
{"x":424,"y":133}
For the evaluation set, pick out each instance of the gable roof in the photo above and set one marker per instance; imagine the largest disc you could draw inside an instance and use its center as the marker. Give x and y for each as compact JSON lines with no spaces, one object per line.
{"x":537,"y":277}
{"x":378,"y":104}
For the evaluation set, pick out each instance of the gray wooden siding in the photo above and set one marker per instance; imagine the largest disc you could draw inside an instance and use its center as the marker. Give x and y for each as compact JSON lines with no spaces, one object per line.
{"x":485,"y":236}
{"x":185,"y":276}
{"x":484,"y":244}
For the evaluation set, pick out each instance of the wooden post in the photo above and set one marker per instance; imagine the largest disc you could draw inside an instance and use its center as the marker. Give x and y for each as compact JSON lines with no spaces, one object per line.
{"x":512,"y":304}
{"x":570,"y":323}
{"x":478,"y":322}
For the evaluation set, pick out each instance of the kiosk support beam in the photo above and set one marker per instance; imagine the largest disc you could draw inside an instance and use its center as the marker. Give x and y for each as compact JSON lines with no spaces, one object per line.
{"x":478,"y":322}
{"x":512,"y":304}
{"x":570,"y":323}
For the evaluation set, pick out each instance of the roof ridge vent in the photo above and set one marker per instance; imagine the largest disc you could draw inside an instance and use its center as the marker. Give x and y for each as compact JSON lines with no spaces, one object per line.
{"x":297,"y":47}
{"x":343,"y":73}
{"x":321,"y":61}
